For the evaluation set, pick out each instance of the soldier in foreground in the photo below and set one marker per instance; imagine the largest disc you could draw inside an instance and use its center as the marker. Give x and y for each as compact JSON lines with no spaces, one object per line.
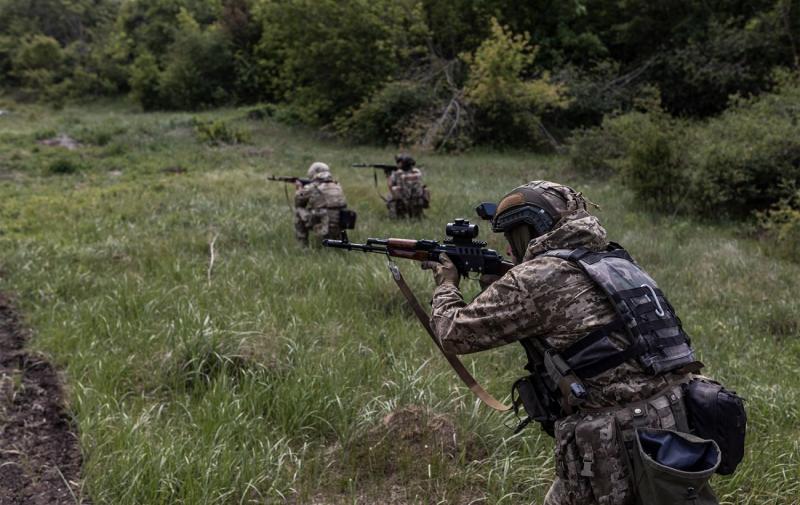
{"x":610,"y":365}
{"x":318,"y":205}
{"x":408,"y":196}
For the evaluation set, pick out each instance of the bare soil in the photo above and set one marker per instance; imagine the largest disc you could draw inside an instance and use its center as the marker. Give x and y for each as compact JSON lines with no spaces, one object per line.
{"x":40,"y":459}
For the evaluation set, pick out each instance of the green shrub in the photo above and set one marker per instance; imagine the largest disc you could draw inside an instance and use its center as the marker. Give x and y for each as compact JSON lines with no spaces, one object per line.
{"x":63,"y":166}
{"x":144,"y":77}
{"x":744,"y":161}
{"x":384,"y":117}
{"x":507,"y":107}
{"x":199,"y":68}
{"x":217,"y":132}
{"x":782,"y":226}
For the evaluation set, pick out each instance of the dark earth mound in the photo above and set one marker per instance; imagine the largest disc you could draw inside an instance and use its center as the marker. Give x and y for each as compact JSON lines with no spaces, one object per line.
{"x":39,"y":456}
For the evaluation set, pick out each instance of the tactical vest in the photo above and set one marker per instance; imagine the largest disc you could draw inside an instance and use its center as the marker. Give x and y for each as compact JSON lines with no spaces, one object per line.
{"x":656,"y":337}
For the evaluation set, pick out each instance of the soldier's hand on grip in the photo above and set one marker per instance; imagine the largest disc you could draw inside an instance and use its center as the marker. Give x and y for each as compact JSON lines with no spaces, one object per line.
{"x":443,"y":270}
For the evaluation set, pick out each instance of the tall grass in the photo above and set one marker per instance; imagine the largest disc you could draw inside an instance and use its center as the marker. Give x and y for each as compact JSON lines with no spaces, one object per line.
{"x":272,"y":382}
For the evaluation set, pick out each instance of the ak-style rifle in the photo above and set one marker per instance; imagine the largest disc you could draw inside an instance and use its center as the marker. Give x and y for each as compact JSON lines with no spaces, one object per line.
{"x":467,"y":254}
{"x":289,"y":179}
{"x":387,"y":169}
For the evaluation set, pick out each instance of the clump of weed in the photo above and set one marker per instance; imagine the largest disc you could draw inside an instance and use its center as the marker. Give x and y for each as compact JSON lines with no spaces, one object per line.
{"x":219,"y":132}
{"x":63,"y":166}
{"x":197,"y":364}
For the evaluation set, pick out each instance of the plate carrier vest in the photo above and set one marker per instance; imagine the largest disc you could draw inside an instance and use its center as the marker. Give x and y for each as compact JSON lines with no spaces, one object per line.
{"x":656,"y":337}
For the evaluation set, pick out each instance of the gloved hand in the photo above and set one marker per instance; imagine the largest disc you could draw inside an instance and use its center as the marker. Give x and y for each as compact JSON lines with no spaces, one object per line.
{"x":443,"y":270}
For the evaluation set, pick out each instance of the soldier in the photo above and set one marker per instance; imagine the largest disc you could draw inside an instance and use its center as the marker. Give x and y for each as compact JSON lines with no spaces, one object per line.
{"x":553,"y":304}
{"x":318,"y":205}
{"x":408,"y":196}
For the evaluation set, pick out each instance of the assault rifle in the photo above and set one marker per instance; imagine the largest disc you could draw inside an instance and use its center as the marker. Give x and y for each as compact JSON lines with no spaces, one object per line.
{"x":467,"y":254}
{"x":387,"y":169}
{"x":289,"y":179}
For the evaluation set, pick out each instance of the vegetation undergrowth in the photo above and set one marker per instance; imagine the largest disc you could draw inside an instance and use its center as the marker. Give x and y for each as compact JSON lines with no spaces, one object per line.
{"x":284,"y":374}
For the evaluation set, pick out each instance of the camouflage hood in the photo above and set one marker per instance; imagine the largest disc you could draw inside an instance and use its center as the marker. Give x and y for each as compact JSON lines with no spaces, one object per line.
{"x":576,"y":229}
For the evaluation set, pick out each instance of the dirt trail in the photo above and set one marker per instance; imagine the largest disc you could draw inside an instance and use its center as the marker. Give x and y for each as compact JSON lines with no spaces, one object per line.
{"x":39,"y":456}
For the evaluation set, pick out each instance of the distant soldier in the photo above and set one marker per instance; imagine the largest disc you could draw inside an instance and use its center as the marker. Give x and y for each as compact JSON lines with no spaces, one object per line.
{"x":318,"y":205}
{"x":408,"y":196}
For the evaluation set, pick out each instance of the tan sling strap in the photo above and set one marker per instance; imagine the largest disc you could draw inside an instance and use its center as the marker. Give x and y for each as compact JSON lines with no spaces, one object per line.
{"x":459,"y":367}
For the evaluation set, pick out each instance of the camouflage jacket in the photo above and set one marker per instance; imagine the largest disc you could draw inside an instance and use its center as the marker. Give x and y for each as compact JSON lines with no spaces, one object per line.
{"x":549,"y":299}
{"x":321,"y":193}
{"x":406,"y":184}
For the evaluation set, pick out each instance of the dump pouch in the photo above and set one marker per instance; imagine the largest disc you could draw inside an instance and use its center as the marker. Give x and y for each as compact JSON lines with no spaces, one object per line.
{"x":672,"y":468}
{"x":717,"y":414}
{"x":347,"y":219}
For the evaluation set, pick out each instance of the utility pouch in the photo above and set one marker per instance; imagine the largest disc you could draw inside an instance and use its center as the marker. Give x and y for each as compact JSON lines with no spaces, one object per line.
{"x":673,"y":468}
{"x":347,"y":219}
{"x":426,"y":197}
{"x":717,"y":414}
{"x":538,"y":407}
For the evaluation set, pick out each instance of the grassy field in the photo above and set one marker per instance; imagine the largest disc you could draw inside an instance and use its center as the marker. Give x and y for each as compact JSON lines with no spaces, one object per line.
{"x":300,"y":375}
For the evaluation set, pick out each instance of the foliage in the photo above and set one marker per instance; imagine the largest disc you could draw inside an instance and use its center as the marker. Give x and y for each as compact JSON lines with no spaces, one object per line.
{"x":327,"y":56}
{"x":198,"y":70}
{"x":215,"y":132}
{"x":63,"y":166}
{"x":744,"y":161}
{"x":507,"y":106}
{"x":781,"y":224}
{"x":384,"y":118}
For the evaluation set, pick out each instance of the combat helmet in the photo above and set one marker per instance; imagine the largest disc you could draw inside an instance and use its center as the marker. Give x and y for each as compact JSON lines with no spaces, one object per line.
{"x":317,"y":168}
{"x":405,"y":161}
{"x":539,"y":204}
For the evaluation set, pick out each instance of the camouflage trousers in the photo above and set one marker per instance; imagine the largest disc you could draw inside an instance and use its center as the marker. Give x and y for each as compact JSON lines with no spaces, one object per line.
{"x":323,"y":223}
{"x":400,"y":208}
{"x":592,"y":458}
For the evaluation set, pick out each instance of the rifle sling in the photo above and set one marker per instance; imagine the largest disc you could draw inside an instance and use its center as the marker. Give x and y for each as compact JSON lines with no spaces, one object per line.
{"x":455,"y":363}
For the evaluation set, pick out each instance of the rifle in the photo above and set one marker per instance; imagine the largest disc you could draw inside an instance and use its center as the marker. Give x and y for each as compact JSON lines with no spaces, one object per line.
{"x":467,"y":254}
{"x":387,"y":169}
{"x":289,"y":179}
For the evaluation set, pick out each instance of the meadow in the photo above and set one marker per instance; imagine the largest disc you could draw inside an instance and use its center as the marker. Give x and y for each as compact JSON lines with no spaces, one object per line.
{"x":300,"y":376}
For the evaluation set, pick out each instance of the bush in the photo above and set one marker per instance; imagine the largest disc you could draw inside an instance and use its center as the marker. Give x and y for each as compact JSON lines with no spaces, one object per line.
{"x":782,"y":226}
{"x":507,"y":108}
{"x":219,"y":132}
{"x":745,"y":161}
{"x":384,"y":117}
{"x":199,"y":68}
{"x":64,"y":166}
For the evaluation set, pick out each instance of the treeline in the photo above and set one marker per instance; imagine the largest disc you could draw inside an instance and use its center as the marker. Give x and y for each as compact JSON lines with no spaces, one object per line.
{"x":694,"y":104}
{"x":440,"y":74}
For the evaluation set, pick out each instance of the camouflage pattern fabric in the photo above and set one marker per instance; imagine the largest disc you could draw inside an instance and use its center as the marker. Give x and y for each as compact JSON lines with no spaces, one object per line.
{"x":552,"y":299}
{"x":316,"y":208}
{"x":408,"y":195}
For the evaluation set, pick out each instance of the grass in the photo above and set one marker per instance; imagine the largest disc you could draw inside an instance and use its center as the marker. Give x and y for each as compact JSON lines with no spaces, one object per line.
{"x":273,"y":381}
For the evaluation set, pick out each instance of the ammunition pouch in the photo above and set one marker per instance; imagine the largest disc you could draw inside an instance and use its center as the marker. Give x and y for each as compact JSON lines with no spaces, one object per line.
{"x":347,"y":219}
{"x":715,"y":413}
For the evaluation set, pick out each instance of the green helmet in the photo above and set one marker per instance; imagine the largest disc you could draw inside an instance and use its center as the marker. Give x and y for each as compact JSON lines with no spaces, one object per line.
{"x":539,"y":204}
{"x":405,"y":161}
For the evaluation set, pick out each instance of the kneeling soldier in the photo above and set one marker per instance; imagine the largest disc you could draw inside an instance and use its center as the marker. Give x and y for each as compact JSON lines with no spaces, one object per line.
{"x":606,"y":353}
{"x":318,"y":205}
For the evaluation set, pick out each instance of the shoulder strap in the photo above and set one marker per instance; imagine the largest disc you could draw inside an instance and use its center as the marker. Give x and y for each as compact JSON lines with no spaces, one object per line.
{"x":455,"y":363}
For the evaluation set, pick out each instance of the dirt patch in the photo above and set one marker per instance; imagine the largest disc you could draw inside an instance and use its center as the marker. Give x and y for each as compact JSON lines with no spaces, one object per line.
{"x":62,"y":140}
{"x":39,"y":456}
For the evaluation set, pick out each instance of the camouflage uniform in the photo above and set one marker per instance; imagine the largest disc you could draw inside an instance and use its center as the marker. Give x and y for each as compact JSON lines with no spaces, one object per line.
{"x":553,"y":300}
{"x":408,"y":195}
{"x":317,"y":207}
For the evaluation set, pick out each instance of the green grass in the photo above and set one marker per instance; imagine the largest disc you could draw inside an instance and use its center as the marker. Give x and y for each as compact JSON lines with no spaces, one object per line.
{"x":271,"y":382}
